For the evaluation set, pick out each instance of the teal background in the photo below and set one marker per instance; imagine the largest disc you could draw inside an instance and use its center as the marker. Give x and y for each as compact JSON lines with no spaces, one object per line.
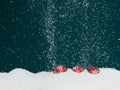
{"x":79,"y":32}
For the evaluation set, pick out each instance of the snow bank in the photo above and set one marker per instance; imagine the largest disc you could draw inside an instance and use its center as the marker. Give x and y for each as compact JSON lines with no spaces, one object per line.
{"x":19,"y":79}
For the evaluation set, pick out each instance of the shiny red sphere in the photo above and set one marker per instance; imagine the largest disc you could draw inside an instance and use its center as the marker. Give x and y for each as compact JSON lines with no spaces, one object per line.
{"x":78,"y":69}
{"x":60,"y":69}
{"x":93,"y":70}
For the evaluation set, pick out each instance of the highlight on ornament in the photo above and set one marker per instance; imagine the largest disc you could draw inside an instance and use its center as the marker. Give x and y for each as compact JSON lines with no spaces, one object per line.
{"x":93,"y":70}
{"x":78,"y":69}
{"x":60,"y":69}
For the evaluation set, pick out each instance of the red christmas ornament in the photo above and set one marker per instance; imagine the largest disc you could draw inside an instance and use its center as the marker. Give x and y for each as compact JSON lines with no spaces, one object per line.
{"x":60,"y":69}
{"x":78,"y":69}
{"x":93,"y":70}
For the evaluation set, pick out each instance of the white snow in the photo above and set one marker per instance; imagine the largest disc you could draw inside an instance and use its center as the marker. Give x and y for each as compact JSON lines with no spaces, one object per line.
{"x":20,"y":79}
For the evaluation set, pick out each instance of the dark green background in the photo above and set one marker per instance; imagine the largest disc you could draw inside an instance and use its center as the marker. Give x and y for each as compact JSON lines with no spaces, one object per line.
{"x":84,"y":32}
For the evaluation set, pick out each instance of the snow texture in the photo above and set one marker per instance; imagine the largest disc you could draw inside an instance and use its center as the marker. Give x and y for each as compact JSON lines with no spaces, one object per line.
{"x":20,"y":79}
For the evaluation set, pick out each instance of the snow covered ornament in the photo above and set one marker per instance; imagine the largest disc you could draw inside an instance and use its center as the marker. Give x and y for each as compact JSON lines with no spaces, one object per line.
{"x":78,"y":69}
{"x":93,"y":70}
{"x":60,"y":69}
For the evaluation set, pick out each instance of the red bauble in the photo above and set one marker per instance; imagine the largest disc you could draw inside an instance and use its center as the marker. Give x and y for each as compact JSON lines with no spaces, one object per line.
{"x":93,"y":70}
{"x":60,"y":69}
{"x":78,"y":69}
